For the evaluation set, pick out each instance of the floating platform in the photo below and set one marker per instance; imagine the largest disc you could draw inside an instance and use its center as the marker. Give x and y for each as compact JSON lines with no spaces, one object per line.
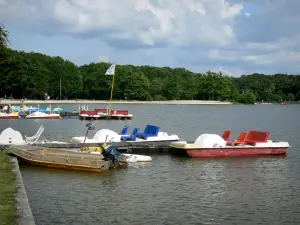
{"x":63,"y":115}
{"x":76,"y":115}
{"x":105,"y":117}
{"x":69,"y":115}
{"x":123,"y":147}
{"x":161,"y":147}
{"x":103,"y":114}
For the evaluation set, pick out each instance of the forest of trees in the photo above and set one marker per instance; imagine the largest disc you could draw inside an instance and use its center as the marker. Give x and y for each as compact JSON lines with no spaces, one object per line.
{"x":31,"y":75}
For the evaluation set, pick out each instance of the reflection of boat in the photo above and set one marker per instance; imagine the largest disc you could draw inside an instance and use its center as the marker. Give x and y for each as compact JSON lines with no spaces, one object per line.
{"x":252,"y":143}
{"x":62,"y":159}
{"x":41,"y":115}
{"x":150,"y":134}
{"x":9,"y":115}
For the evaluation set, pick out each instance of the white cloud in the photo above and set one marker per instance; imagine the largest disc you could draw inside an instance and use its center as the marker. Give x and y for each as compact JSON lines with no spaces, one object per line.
{"x":259,"y":36}
{"x":228,"y":71}
{"x":145,"y":21}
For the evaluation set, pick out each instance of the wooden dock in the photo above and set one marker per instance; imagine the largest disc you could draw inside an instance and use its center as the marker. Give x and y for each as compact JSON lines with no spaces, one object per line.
{"x":69,"y":115}
{"x":124,"y":147}
{"x":162,"y":147}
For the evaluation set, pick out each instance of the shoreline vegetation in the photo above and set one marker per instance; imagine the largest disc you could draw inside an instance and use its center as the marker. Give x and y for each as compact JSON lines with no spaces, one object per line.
{"x":115,"y":102}
{"x":32,"y":75}
{"x":84,"y":101}
{"x":8,"y":191}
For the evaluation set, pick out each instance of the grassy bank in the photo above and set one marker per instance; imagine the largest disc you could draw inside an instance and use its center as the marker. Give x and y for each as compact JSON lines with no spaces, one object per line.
{"x":8,"y":190}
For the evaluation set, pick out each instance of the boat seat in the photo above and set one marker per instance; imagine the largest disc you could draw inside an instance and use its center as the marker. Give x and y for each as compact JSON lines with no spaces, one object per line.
{"x":150,"y":131}
{"x":254,"y":137}
{"x":239,"y":139}
{"x":131,"y":137}
{"x":226,"y":134}
{"x":124,"y":130}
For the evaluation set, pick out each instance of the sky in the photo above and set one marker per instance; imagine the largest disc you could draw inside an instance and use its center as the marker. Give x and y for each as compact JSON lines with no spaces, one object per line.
{"x":232,"y":36}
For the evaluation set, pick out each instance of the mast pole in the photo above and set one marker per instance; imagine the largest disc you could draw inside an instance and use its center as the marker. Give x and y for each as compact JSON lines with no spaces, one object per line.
{"x":111,"y":93}
{"x":60,"y":88}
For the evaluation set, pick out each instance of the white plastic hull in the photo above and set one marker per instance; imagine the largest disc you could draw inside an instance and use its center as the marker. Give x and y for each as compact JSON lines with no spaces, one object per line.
{"x":133,"y":157}
{"x":93,"y":141}
{"x":138,"y":158}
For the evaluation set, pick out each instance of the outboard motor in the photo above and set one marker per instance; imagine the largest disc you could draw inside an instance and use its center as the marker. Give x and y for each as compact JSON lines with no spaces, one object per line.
{"x":111,"y":154}
{"x":22,"y":115}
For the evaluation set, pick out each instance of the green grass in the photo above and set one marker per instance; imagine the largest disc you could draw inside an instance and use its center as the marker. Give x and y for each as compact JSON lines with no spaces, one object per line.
{"x":8,"y":190}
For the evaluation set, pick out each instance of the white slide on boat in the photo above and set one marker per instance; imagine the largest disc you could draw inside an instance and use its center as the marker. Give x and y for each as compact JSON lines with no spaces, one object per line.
{"x":33,"y":139}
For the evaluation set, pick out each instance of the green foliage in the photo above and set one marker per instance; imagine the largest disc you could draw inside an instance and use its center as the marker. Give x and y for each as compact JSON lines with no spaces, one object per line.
{"x":247,"y":97}
{"x":297,"y":97}
{"x":291,"y":97}
{"x":31,"y":75}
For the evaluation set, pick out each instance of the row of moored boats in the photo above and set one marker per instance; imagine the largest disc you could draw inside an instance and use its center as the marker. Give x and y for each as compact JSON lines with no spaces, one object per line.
{"x":30,"y":112}
{"x":249,"y":143}
{"x":101,"y":152}
{"x":83,"y":113}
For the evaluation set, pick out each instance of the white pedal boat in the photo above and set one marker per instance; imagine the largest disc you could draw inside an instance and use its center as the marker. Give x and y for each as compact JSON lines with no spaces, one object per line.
{"x":106,"y":135}
{"x":41,"y":115}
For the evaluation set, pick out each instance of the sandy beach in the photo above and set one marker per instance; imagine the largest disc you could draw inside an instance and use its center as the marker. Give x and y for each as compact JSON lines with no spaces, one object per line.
{"x":174,"y":102}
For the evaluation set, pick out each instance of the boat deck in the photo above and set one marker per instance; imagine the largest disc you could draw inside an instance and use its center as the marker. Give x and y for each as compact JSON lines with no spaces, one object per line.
{"x":62,"y":159}
{"x":69,"y":115}
{"x":124,"y":147}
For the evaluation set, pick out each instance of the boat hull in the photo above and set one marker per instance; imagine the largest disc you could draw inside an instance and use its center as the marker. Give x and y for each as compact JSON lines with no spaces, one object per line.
{"x":63,"y":166}
{"x":235,"y":152}
{"x":41,"y":117}
{"x":105,"y":117}
{"x":61,"y":159}
{"x":9,"y":117}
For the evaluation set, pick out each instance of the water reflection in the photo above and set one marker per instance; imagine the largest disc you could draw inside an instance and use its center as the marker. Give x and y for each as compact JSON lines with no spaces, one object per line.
{"x":172,"y":189}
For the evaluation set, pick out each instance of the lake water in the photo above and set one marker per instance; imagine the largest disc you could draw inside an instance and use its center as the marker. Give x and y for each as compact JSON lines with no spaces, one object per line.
{"x":172,"y":189}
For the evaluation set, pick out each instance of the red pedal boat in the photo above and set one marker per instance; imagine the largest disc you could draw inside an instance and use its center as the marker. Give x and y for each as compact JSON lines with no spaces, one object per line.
{"x":247,"y":144}
{"x":103,"y":114}
{"x":9,"y":116}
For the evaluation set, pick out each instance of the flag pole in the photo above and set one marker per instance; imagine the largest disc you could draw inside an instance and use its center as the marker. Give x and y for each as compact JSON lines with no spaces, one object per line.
{"x":111,"y":93}
{"x":111,"y":71}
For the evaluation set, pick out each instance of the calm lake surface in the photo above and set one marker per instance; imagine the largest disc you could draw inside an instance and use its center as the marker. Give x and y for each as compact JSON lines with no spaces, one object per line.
{"x":170,"y":189}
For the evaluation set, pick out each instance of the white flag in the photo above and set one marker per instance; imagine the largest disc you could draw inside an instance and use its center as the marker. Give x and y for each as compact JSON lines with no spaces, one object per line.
{"x":111,"y":70}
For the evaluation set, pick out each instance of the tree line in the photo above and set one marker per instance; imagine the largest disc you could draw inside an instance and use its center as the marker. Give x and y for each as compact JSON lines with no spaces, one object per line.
{"x":31,"y":75}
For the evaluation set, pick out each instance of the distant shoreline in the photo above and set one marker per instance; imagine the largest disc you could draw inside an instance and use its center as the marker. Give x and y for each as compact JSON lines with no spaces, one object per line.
{"x":171,"y":102}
